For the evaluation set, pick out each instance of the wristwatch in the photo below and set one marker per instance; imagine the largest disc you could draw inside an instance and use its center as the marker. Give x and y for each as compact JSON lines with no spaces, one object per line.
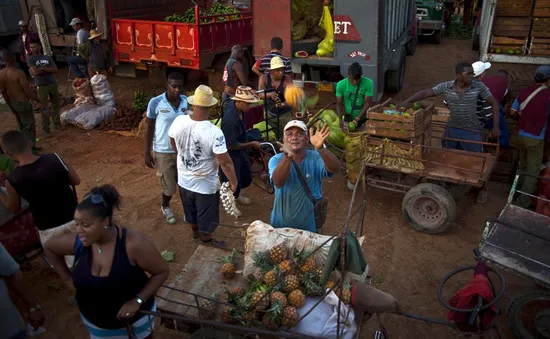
{"x":35,"y":308}
{"x":139,"y":300}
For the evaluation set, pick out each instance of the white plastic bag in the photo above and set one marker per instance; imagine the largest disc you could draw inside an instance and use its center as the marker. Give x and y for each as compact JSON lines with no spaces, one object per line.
{"x":95,"y":117}
{"x":322,"y":322}
{"x":102,"y":90}
{"x":70,"y":116}
{"x":261,"y":237}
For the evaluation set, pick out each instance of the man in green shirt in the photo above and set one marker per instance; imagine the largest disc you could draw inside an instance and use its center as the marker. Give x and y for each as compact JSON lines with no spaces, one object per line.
{"x":354,"y":96}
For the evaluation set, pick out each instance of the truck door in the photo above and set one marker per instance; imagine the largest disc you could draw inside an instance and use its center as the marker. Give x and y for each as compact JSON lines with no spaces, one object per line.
{"x":271,"y":18}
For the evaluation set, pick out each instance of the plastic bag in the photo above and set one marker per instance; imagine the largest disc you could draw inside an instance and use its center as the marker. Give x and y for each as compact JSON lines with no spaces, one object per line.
{"x":70,"y":116}
{"x":326,"y":46}
{"x":102,"y":90}
{"x":261,"y":236}
{"x":95,"y":117}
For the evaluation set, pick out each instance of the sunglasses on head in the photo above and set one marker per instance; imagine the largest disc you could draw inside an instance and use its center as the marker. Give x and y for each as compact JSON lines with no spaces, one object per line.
{"x":96,"y":199}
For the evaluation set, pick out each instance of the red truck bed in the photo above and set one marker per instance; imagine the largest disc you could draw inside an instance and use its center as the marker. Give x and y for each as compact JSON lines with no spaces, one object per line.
{"x":185,"y":45}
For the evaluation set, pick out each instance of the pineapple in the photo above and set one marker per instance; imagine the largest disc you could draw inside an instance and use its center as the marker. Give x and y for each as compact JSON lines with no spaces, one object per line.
{"x":319,"y":272}
{"x":228,"y":268}
{"x":346,"y":296}
{"x":296,"y":298}
{"x":208,"y":307}
{"x":291,"y":283}
{"x":262,"y":261}
{"x":308,"y":265}
{"x":238,"y":291}
{"x":279,"y":297}
{"x":228,"y":315}
{"x":290,"y":317}
{"x":233,"y":296}
{"x":260,"y":300}
{"x":330,"y":284}
{"x":286,"y":266}
{"x":271,"y":278}
{"x":310,"y":285}
{"x":273,"y":316}
{"x":277,"y":254}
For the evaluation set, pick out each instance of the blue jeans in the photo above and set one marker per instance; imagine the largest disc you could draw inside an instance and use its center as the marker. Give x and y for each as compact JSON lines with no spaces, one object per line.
{"x":504,"y":139}
{"x":78,"y":66}
{"x":457,"y":133}
{"x":20,"y":335}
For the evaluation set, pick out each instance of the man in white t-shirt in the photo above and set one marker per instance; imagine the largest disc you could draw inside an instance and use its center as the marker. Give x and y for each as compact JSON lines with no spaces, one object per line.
{"x":77,"y":64}
{"x":201,"y":151}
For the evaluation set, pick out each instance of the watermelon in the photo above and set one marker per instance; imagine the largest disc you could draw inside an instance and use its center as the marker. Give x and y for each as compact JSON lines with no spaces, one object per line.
{"x":329,"y":115}
{"x":417,"y":105}
{"x":337,"y":137}
{"x":301,"y":54}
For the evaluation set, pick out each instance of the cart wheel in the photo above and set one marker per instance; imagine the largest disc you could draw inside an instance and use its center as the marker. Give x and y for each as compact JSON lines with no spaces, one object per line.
{"x":529,"y":315}
{"x":429,"y":208}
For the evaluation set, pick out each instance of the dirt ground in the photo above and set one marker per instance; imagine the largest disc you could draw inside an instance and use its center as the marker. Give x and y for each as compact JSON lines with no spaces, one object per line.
{"x":403,"y":262}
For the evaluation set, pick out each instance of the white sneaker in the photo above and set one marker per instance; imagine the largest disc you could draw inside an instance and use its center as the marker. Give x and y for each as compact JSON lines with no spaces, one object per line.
{"x":169,"y":216}
{"x":243,"y":200}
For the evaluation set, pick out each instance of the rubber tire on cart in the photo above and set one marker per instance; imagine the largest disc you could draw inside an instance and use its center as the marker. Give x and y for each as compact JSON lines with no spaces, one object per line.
{"x":513,"y":314}
{"x":429,"y":208}
{"x":437,"y":37}
{"x":395,"y":78}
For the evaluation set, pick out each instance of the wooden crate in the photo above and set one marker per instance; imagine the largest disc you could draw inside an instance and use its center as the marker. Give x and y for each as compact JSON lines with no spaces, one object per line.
{"x":542,"y":9}
{"x":512,"y":27}
{"x":510,"y":8}
{"x":540,"y":46}
{"x":415,"y":129}
{"x":541,"y":28}
{"x":439,"y":120}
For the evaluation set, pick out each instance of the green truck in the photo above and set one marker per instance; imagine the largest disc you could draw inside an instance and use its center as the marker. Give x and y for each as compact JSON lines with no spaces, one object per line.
{"x":433,"y":17}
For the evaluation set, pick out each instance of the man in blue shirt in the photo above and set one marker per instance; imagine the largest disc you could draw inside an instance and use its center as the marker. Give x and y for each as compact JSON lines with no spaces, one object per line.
{"x":292,"y":207}
{"x":234,"y":130}
{"x":161,"y":113}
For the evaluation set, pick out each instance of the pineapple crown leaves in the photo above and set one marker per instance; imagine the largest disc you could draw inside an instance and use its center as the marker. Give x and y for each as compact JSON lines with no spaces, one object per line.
{"x":261,"y":260}
{"x":311,"y":287}
{"x":229,"y":259}
{"x":232,"y":298}
{"x":275,"y":312}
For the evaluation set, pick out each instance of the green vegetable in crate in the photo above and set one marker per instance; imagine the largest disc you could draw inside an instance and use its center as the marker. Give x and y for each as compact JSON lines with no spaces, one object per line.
{"x":352,"y":126}
{"x":329,"y":115}
{"x":392,"y":106}
{"x":417,"y":105}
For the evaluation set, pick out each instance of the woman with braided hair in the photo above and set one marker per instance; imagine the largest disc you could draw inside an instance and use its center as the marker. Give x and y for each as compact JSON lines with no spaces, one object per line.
{"x":117,"y":271}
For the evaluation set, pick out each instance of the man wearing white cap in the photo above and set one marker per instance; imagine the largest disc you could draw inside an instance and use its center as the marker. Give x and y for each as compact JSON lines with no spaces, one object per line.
{"x":26,"y":37}
{"x":498,"y":86}
{"x":201,"y":151}
{"x":82,"y":36}
{"x":292,"y":206}
{"x":234,"y":130}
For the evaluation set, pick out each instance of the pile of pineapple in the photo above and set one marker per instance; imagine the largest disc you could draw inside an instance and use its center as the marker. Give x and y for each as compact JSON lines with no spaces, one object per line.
{"x":278,"y":289}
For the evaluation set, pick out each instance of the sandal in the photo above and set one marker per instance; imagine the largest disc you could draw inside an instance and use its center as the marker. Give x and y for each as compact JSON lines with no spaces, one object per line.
{"x":196,"y":233}
{"x":214,"y":243}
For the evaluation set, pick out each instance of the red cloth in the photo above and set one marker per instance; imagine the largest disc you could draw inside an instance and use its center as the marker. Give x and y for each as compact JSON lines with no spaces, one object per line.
{"x":497,"y":85}
{"x":535,"y":114}
{"x":253,"y":116}
{"x":467,"y":298}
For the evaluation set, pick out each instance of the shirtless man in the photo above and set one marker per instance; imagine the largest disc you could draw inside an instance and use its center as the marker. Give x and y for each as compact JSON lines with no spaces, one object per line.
{"x":233,"y":73}
{"x":17,"y":92}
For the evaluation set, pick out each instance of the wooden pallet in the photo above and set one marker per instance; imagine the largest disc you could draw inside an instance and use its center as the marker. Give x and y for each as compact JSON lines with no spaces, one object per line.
{"x":512,"y":26}
{"x":514,"y":8}
{"x":542,"y":9}
{"x":540,"y":46}
{"x":541,"y":28}
{"x":411,"y":128}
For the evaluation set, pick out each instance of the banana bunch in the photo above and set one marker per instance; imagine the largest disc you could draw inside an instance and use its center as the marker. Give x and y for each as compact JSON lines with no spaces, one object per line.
{"x":408,"y":161}
{"x":42,"y":32}
{"x":228,"y":201}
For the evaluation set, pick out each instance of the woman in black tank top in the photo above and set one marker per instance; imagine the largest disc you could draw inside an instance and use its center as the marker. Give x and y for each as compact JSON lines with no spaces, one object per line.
{"x":110,"y":270}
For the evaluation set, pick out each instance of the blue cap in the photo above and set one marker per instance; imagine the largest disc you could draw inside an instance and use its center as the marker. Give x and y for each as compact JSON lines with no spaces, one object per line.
{"x":542,"y":73}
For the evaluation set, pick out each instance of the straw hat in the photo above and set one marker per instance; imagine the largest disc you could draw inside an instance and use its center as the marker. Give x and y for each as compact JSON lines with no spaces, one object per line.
{"x":276,"y":63}
{"x":203,"y":97}
{"x":94,"y":34}
{"x":246,"y":94}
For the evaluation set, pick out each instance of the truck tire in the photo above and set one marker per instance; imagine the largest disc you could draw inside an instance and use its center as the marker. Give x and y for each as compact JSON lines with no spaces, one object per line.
{"x":429,"y":208}
{"x":395,"y":78}
{"x":516,"y":317}
{"x":437,"y":37}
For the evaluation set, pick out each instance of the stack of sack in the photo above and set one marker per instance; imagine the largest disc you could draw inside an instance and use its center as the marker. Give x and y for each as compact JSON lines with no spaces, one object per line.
{"x":94,"y":103}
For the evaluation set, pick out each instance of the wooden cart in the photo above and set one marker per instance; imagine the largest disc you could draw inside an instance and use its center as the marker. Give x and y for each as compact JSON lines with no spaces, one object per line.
{"x":518,"y":241}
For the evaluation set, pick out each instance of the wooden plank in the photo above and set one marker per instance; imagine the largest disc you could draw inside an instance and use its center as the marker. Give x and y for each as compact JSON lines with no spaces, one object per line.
{"x":390,"y":125}
{"x":517,"y":33}
{"x":201,"y":276}
{"x":390,"y":117}
{"x":390,"y":133}
{"x":513,"y":12}
{"x":515,"y":2}
{"x":542,"y":12}
{"x":500,"y":40}
{"x":540,"y":34}
{"x":539,"y":3}
{"x":512,"y":21}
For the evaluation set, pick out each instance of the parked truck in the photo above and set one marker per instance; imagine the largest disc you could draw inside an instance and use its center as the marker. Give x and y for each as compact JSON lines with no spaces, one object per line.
{"x":513,"y":31}
{"x":433,"y":18}
{"x":10,"y":15}
{"x":377,"y":34}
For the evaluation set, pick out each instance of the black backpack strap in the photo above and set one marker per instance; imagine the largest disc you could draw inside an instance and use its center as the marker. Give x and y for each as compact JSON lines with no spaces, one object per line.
{"x":303,"y":182}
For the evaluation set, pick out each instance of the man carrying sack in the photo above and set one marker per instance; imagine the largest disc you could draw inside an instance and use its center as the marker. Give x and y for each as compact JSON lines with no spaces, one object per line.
{"x":297,"y":174}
